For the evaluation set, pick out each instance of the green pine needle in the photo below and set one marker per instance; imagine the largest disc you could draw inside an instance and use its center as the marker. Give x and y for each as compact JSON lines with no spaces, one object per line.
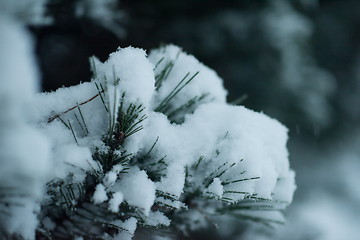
{"x":240,"y":180}
{"x":164,"y":104}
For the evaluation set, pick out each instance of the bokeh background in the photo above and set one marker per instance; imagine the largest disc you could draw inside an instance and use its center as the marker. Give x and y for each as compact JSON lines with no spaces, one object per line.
{"x":296,"y":60}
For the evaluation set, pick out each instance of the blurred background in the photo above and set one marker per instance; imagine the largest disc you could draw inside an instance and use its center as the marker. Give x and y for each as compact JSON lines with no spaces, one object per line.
{"x":298,"y":61}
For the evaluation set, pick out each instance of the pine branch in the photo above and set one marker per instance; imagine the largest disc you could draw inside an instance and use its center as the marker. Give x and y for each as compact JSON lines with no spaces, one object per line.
{"x":210,"y":182}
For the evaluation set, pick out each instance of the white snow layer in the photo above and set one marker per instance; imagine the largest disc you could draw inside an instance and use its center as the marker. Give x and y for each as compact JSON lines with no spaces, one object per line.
{"x":241,"y":150}
{"x":100,"y":194}
{"x":253,"y":142}
{"x":134,"y":72}
{"x":216,"y":188}
{"x":137,"y":188}
{"x":24,"y":151}
{"x":115,"y":201}
{"x":157,"y":218}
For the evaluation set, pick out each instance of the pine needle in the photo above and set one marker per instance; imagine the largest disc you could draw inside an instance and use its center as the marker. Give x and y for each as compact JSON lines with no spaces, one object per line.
{"x":73,"y":133}
{"x":83,"y":120}
{"x":240,"y":180}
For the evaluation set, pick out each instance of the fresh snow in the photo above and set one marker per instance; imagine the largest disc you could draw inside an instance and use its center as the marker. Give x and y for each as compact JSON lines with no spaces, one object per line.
{"x":115,"y":201}
{"x":138,"y":190}
{"x":24,"y":150}
{"x":216,"y":188}
{"x":243,"y":153}
{"x":100,"y":194}
{"x":157,"y":219}
{"x":130,"y":67}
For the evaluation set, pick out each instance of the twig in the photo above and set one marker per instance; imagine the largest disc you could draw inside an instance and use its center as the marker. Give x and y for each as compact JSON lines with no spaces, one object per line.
{"x":72,"y":108}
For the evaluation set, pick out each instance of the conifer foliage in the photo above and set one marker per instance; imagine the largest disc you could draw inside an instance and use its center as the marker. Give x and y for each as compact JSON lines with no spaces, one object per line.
{"x":150,"y":142}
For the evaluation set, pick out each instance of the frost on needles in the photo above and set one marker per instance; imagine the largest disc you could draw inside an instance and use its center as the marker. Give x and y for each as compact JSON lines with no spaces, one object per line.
{"x":152,"y":143}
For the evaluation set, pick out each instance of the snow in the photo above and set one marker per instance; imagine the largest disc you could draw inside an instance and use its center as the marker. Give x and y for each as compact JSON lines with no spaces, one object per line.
{"x":48,"y":105}
{"x":285,"y":187}
{"x":24,"y":151}
{"x":129,"y":225}
{"x":216,"y":188}
{"x":137,"y":188}
{"x":70,"y":158}
{"x":174,"y":181}
{"x":100,"y":194}
{"x":16,"y":44}
{"x":255,"y":143}
{"x":135,"y":73}
{"x":115,"y":201}
{"x":157,"y":219}
{"x":110,"y":178}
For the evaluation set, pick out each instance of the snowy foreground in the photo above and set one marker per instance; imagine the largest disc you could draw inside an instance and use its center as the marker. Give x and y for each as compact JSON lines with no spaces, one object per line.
{"x":149,"y":142}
